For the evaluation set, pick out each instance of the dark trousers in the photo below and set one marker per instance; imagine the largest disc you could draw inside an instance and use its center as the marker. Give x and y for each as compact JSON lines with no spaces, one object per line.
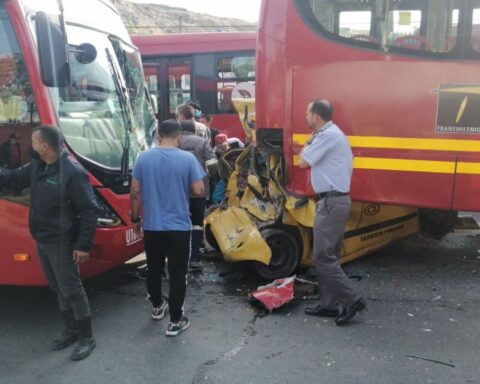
{"x":174,"y":245}
{"x":331,"y":215}
{"x":197,"y":216}
{"x":63,"y":277}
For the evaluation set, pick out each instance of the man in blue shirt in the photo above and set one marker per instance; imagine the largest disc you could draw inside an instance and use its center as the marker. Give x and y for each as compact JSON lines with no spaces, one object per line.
{"x":329,"y":156}
{"x":163,"y":178}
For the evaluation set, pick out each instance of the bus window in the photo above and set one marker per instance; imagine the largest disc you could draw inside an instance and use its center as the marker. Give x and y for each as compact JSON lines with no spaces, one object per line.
{"x":17,"y":107}
{"x":404,"y":29}
{"x":230,"y":72}
{"x":475,"y":39}
{"x":407,"y":27}
{"x":179,"y":91}
{"x":356,"y":25}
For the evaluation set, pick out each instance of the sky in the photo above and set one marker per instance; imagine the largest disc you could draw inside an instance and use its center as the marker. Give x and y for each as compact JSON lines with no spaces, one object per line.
{"x":247,"y":10}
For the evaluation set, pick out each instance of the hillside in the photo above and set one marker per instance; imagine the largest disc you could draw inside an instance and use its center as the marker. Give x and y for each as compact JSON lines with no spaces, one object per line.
{"x":147,"y":19}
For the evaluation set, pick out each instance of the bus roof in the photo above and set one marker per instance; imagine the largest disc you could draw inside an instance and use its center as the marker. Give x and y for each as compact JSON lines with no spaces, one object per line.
{"x":188,"y":43}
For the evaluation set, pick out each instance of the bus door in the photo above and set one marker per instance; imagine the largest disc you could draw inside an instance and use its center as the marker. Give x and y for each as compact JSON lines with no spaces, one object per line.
{"x":152,"y":79}
{"x":178,"y":89}
{"x":169,"y":80}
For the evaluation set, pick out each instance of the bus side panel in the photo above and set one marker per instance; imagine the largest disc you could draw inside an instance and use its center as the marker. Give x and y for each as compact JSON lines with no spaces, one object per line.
{"x":17,"y":240}
{"x":373,"y":95}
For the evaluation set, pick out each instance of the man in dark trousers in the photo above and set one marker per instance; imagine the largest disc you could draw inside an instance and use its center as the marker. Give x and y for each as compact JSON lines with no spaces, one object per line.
{"x":63,"y":217}
{"x":200,"y":148}
{"x":329,"y":156}
{"x":163,"y":178}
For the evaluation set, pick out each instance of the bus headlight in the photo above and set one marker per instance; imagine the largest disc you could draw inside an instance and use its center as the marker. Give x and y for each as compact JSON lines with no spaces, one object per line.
{"x":107,"y":217}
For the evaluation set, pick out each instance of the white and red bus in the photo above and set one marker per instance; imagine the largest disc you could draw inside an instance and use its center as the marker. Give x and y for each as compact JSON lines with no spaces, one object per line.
{"x":71,"y":64}
{"x":404,"y":80}
{"x":201,"y":66}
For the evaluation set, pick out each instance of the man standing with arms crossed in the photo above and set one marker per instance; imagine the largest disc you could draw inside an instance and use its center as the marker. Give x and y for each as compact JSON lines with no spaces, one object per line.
{"x":329,"y":156}
{"x":63,"y":217}
{"x":162,"y":180}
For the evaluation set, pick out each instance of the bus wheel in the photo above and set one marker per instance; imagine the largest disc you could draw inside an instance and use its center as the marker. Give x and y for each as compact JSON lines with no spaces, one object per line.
{"x":436,"y":223}
{"x":285,"y":254}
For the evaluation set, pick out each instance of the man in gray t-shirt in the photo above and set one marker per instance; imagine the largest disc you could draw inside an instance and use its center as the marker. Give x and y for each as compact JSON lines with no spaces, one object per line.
{"x":329,"y":156}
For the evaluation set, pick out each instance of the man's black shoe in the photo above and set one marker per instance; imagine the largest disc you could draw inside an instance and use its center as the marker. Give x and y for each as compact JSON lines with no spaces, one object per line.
{"x":319,"y":311}
{"x":69,"y":335}
{"x":350,"y":312}
{"x":86,"y":341}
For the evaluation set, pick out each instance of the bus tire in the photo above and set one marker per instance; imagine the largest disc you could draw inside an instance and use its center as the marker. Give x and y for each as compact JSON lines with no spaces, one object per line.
{"x":285,"y":254}
{"x":435,"y":223}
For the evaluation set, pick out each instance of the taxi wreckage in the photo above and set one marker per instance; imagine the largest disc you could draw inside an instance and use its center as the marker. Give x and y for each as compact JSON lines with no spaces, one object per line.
{"x":259,"y":221}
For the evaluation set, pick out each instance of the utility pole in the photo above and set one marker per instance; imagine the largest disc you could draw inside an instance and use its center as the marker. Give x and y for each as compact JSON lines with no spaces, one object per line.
{"x":180,"y":24}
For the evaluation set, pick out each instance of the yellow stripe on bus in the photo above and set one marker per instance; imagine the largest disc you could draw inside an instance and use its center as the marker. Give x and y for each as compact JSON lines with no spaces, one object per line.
{"x":404,"y":165}
{"x":404,"y":143}
{"x":468,"y":168}
{"x":385,"y":164}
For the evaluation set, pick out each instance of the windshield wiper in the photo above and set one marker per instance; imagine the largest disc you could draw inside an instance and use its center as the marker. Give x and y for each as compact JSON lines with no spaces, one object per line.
{"x":124,"y":103}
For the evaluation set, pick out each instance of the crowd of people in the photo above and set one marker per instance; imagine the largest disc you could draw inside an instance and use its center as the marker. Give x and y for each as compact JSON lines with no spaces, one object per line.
{"x":170,"y":190}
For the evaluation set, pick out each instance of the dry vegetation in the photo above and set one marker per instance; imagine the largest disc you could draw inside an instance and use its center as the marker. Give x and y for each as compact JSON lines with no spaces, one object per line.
{"x":147,"y":19}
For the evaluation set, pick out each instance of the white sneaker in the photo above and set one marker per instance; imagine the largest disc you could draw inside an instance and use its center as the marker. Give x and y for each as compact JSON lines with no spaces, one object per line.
{"x":158,"y":313}
{"x":174,"y":329}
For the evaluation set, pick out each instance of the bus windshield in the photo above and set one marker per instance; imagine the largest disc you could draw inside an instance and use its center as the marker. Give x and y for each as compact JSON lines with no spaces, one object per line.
{"x":90,"y":109}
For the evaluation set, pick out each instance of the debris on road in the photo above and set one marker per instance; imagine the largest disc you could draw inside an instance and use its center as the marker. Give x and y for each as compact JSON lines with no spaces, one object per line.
{"x":277,"y":293}
{"x":431,"y":360}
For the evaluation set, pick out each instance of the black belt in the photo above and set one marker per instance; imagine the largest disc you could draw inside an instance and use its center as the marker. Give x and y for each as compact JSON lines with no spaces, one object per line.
{"x":319,"y":196}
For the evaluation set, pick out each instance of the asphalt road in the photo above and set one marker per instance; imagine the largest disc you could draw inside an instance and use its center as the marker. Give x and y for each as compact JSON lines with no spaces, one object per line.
{"x":422,"y":326}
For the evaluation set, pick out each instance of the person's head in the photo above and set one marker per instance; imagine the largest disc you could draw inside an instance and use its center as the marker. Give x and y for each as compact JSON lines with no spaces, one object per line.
{"x":188,"y":125}
{"x":170,"y":132}
{"x":185,"y":112}
{"x":197,"y":109}
{"x":206,"y":119}
{"x":252,"y":121}
{"x":14,"y":138}
{"x":319,"y":112}
{"x":195,"y":104}
{"x":221,"y":142}
{"x":47,"y":141}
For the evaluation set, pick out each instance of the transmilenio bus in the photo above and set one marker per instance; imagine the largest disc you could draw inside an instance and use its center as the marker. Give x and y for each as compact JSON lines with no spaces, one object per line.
{"x":202,"y":66}
{"x":404,"y":80}
{"x":72,"y":64}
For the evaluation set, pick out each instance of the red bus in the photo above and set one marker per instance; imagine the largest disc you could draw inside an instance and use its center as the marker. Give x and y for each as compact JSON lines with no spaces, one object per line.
{"x":61,"y":63}
{"x":404,"y":80}
{"x":201,"y":66}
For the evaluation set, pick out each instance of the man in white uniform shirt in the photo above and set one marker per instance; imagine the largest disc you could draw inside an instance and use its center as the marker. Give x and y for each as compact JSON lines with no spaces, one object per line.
{"x":329,"y":156}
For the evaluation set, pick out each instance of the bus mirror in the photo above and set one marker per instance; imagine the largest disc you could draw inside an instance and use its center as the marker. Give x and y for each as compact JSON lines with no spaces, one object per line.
{"x":52,"y":52}
{"x":85,"y":53}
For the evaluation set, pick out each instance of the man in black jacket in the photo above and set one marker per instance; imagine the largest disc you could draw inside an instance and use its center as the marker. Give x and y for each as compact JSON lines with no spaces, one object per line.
{"x":63,"y":216}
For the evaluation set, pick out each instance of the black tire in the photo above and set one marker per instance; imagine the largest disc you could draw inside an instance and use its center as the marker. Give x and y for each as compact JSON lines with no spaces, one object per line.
{"x":211,"y":239}
{"x":285,"y":254}
{"x":435,"y":223}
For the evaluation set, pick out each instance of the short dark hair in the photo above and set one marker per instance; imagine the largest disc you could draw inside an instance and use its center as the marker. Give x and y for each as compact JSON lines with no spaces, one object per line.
{"x":322,"y":108}
{"x":188,"y":125}
{"x":169,"y":129}
{"x":186,"y":110}
{"x":207,"y":117}
{"x":195,"y":104}
{"x":51,"y":135}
